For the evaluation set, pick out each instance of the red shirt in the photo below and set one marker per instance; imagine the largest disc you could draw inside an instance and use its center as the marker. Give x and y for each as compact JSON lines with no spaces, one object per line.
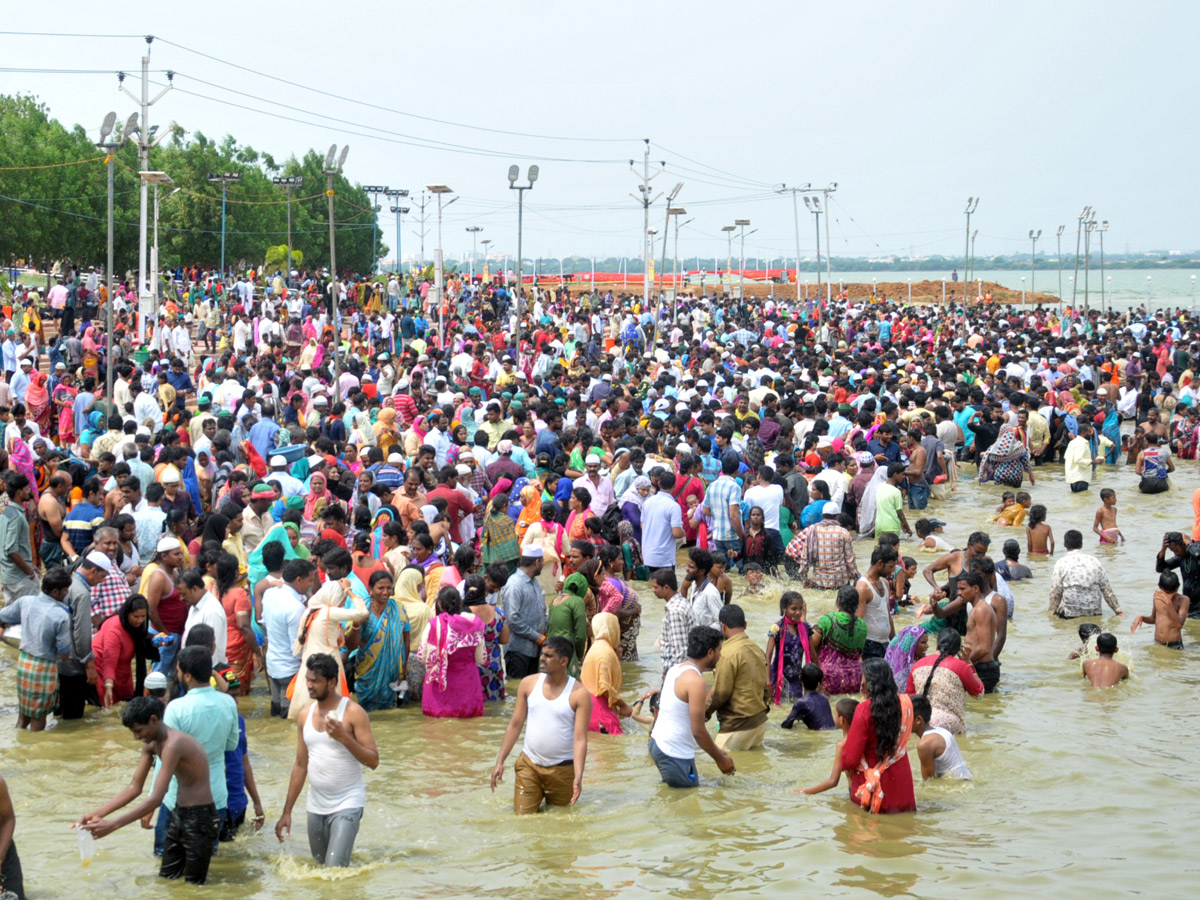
{"x":458,"y":506}
{"x":406,"y":408}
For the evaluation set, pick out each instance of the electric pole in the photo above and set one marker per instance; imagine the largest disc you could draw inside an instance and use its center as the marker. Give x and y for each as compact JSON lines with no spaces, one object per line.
{"x":646,"y":201}
{"x":424,"y":231}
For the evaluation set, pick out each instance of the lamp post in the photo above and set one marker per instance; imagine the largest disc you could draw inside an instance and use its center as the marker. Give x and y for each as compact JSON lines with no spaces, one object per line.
{"x":1080,"y":219}
{"x":110,"y":148}
{"x":1103,"y":227}
{"x":1033,"y":239}
{"x":828,"y":246}
{"x":474,"y":230}
{"x":1061,"y":228}
{"x":514,"y":172}
{"x":1088,"y":227}
{"x":374,"y":190}
{"x":224,"y":179}
{"x":663,"y":268}
{"x":1022,"y":290}
{"x":155,"y":178}
{"x":813,"y":205}
{"x":332,"y":168}
{"x":438,"y":265}
{"x":676,"y":211}
{"x":729,"y":230}
{"x":972,"y":205}
{"x":485,"y":243}
{"x":396,"y":195}
{"x":742,"y":223}
{"x":289,"y":183}
{"x":796,"y":221}
{"x":979,"y":287}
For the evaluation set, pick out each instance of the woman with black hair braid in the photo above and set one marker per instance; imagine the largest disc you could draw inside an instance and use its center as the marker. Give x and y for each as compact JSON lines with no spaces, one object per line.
{"x":946,"y":680}
{"x":876,"y":750}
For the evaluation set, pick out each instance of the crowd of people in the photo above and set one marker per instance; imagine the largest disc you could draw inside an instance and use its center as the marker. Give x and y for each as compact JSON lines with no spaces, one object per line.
{"x":321,"y":482}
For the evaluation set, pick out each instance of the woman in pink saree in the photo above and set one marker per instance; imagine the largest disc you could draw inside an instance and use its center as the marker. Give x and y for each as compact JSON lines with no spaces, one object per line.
{"x":452,"y":651}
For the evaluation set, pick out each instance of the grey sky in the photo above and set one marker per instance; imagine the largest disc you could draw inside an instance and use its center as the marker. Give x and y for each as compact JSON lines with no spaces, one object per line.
{"x":1038,"y":108}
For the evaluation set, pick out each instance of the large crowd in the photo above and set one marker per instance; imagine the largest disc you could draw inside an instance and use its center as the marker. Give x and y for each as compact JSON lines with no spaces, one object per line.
{"x":339,"y":494}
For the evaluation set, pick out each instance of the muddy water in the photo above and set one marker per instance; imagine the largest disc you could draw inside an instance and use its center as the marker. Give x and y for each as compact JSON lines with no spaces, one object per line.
{"x":1076,"y":792}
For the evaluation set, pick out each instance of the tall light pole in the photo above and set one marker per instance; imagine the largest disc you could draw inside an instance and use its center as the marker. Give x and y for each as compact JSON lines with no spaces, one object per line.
{"x":396,"y":195}
{"x":742,"y":223}
{"x":145,"y":142}
{"x":662,"y":269}
{"x":826,"y":191}
{"x":972,"y":205}
{"x":485,"y":243}
{"x":1088,"y":227}
{"x":646,"y":201}
{"x":729,"y":230}
{"x":796,"y":219}
{"x":474,"y":230}
{"x":514,"y":172}
{"x":1103,"y":227}
{"x":974,"y":234}
{"x":110,"y":149}
{"x":154,"y":178}
{"x":813,"y":205}
{"x":675,"y":211}
{"x":1033,"y":239}
{"x":438,"y":266}
{"x":224,"y":179}
{"x":289,"y":183}
{"x":374,"y":190}
{"x":1061,"y":228}
{"x":333,"y":168}
{"x":1080,"y":219}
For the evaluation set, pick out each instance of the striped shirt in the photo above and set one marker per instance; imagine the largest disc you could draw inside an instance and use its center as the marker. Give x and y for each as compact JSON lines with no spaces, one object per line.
{"x":721,"y":494}
{"x":80,"y":522}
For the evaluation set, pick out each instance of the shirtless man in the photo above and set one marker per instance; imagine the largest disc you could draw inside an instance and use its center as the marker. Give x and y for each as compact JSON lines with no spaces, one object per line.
{"x":999,"y":603}
{"x":980,"y":641}
{"x":1169,"y":613}
{"x":1105,"y":671}
{"x":194,"y":822}
{"x":953,"y":563}
{"x":52,"y":511}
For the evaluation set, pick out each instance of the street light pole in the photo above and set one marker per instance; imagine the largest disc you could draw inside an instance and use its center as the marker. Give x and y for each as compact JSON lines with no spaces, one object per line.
{"x":796,"y":220}
{"x":1080,"y":219}
{"x":1061,"y":228}
{"x":514,"y":172}
{"x":742,"y":223}
{"x":474,"y":230}
{"x":332,"y":168}
{"x":396,"y":195}
{"x":439,"y":265}
{"x":224,"y":179}
{"x":729,"y":230}
{"x":289,"y":183}
{"x":110,"y":149}
{"x":1033,"y":238}
{"x":828,"y":246}
{"x":972,"y":205}
{"x":663,"y":268}
{"x":1103,"y":227}
{"x":813,"y":205}
{"x":374,"y":190}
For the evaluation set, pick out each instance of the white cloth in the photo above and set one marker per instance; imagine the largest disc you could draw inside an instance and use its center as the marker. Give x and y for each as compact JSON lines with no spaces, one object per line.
{"x":335,"y":777}
{"x":550,"y":726}
{"x":209,"y":611}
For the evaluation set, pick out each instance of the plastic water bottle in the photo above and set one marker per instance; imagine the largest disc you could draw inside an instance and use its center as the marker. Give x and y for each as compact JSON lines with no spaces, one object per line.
{"x":87,"y":846}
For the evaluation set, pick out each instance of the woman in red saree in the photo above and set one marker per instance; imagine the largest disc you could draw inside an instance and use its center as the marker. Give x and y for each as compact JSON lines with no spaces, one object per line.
{"x":64,"y":401}
{"x":37,"y":402}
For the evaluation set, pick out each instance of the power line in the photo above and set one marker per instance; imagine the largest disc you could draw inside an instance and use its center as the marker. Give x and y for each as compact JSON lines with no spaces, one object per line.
{"x":399,"y":112}
{"x":69,"y":34}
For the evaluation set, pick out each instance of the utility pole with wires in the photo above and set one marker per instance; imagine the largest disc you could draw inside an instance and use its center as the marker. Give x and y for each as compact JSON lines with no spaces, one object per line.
{"x":794,"y":191}
{"x":662,"y":271}
{"x":646,"y":201}
{"x":424,"y":231}
{"x":145,"y":142}
{"x":396,"y":195}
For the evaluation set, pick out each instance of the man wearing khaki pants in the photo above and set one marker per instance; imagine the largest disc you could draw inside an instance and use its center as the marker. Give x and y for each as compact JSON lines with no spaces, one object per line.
{"x":740,"y":687}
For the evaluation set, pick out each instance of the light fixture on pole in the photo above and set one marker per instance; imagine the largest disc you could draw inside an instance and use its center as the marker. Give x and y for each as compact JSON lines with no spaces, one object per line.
{"x":1061,"y":228}
{"x":826,"y":191}
{"x":742,"y":223}
{"x":514,"y":172}
{"x":289,"y":183}
{"x":396,"y":195}
{"x":972,"y":205}
{"x":1088,"y":227}
{"x":1103,"y":227}
{"x":438,"y":265}
{"x":1080,"y":219}
{"x":979,"y":287}
{"x":374,"y":190}
{"x":796,"y":219}
{"x":662,"y":269}
{"x":813,"y":205}
{"x":729,"y":230}
{"x":224,"y":179}
{"x":1033,"y":239}
{"x":474,"y":230}
{"x":676,"y":211}
{"x":155,"y":178}
{"x":331,"y":169}
{"x":110,"y":148}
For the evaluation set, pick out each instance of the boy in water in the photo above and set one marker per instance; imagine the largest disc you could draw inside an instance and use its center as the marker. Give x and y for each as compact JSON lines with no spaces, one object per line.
{"x":843,"y":715}
{"x":1014,"y":514}
{"x":936,"y":747}
{"x":927,"y":537}
{"x":1168,"y":614}
{"x":813,"y":707}
{"x":1105,"y":671}
{"x":194,"y":822}
{"x":1105,"y":523}
{"x":754,"y":577}
{"x":1011,"y":569}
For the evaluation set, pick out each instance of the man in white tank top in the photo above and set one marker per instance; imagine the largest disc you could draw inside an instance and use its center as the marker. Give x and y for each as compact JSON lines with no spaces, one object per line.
{"x":936,"y":747}
{"x":874,"y":607}
{"x":558,"y":709}
{"x":335,"y":742}
{"x":679,"y":727}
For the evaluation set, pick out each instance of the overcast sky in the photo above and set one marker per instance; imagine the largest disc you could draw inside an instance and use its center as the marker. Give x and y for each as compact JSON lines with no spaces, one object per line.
{"x":1037,"y":108}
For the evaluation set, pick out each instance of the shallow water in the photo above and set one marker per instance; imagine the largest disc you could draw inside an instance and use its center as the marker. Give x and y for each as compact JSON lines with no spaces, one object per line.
{"x":1076,"y":792}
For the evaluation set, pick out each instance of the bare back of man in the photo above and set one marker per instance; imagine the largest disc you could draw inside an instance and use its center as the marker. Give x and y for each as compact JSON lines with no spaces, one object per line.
{"x":1105,"y":672}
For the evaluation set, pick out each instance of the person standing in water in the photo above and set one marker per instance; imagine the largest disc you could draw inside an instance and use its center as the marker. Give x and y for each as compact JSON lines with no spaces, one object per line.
{"x":937,"y":748}
{"x":558,"y":709}
{"x":1105,"y":671}
{"x":192,"y":834}
{"x":334,"y":744}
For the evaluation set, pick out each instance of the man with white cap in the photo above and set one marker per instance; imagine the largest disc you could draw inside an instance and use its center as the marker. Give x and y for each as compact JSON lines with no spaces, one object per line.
{"x":168,"y":612}
{"x":598,"y":486}
{"x":291,"y":486}
{"x":20,"y":381}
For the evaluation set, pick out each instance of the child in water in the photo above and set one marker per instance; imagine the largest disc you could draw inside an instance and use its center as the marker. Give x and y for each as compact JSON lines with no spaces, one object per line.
{"x":1039,"y":537}
{"x":788,"y":648}
{"x":1168,"y":613}
{"x":1104,"y":671}
{"x":843,"y":715}
{"x":1013,"y":515}
{"x":813,"y":708}
{"x":1011,"y":569}
{"x":1105,"y":523}
{"x":902,"y":579}
{"x":927,"y":537}
{"x":754,"y":577}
